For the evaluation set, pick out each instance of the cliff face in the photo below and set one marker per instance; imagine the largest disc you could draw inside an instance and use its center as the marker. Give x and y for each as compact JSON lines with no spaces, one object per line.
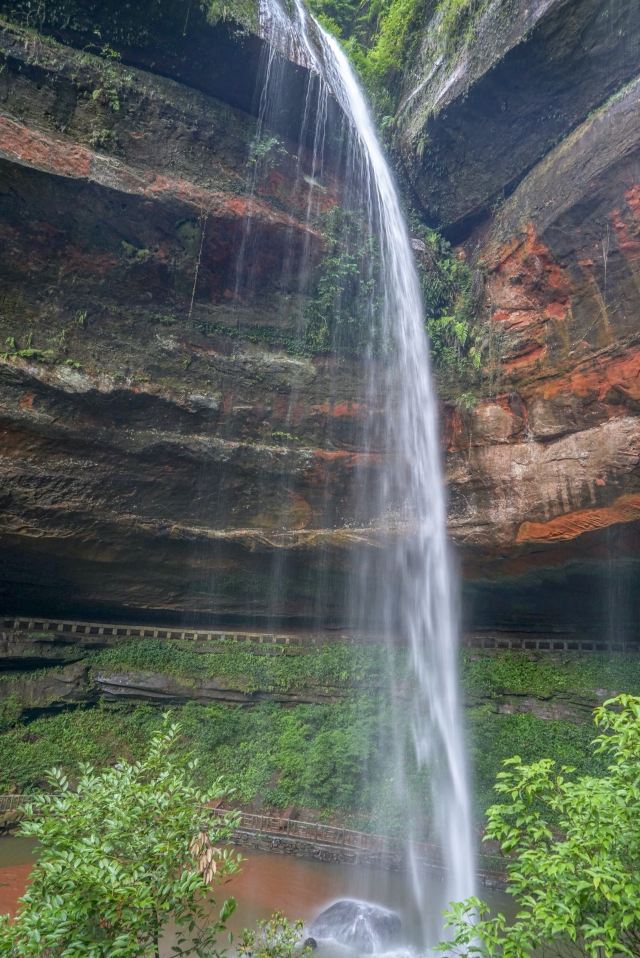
{"x":147,"y":446}
{"x":163,"y":447}
{"x":489,"y":97}
{"x":540,"y":103}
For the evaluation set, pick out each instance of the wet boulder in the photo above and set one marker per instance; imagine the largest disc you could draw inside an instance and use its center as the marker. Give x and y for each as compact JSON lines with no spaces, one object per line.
{"x":361,"y":925}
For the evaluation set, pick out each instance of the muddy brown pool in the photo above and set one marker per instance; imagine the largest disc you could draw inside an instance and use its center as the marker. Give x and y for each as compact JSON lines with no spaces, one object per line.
{"x":266,"y":883}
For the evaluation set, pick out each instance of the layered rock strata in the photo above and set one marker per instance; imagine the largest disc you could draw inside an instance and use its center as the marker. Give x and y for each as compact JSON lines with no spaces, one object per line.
{"x":165,"y":445}
{"x":520,"y":135}
{"x":157,"y":449}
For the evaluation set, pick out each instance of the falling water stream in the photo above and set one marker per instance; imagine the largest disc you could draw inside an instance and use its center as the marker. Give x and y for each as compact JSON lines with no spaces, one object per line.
{"x":408,"y":595}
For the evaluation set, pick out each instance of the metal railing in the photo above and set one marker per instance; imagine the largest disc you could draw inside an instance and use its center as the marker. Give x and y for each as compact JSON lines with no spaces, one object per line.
{"x":110,"y":630}
{"x":315,"y":832}
{"x":12,"y":803}
{"x":490,"y":641}
{"x":380,"y":849}
{"x":490,"y":870}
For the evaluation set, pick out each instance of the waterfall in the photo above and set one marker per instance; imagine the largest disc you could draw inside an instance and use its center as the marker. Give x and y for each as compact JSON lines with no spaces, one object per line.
{"x":403,"y":588}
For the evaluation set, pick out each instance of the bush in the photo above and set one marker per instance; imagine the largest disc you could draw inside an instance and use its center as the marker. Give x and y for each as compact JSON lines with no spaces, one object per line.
{"x":574,"y":853}
{"x":274,"y":938}
{"x":244,"y":13}
{"x":120,"y":858}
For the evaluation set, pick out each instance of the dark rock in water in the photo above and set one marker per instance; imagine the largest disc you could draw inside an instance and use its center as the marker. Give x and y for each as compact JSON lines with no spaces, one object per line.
{"x":359,"y":924}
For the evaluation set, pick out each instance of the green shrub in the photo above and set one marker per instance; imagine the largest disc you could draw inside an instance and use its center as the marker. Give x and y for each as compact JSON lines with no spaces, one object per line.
{"x":118,"y":862}
{"x":573,"y":853}
{"x":274,"y":938}
{"x":93,"y":735}
{"x":251,"y":667}
{"x":492,"y":738}
{"x":380,"y":38}
{"x":543,"y":675}
{"x":330,"y":756}
{"x":10,"y":711}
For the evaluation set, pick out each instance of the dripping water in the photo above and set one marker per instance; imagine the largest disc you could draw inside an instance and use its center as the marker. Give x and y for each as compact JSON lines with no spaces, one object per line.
{"x":401,"y":586}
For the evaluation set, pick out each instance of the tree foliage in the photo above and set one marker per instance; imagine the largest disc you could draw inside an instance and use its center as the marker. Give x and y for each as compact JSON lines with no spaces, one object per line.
{"x":347,"y":18}
{"x":380,"y":37}
{"x":574,"y":854}
{"x":120,"y":859}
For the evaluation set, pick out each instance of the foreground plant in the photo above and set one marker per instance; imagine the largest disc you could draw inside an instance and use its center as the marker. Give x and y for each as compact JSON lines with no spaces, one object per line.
{"x":122,"y":857}
{"x":276,"y":937}
{"x":574,"y":847}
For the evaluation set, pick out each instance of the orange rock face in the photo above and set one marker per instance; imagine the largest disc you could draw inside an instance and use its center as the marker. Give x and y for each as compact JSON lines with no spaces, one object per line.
{"x":529,"y":294}
{"x":544,"y":469}
{"x":625,"y":508}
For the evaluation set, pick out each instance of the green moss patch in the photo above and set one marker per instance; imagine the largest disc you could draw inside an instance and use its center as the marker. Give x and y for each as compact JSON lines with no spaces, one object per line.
{"x":544,"y":676}
{"x":309,"y":755}
{"x":251,"y":666}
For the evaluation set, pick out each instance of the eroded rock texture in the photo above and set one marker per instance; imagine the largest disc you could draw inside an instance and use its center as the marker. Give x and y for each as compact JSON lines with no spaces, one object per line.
{"x":165,"y":450}
{"x":544,"y":472}
{"x":157,"y":451}
{"x":487,"y":101}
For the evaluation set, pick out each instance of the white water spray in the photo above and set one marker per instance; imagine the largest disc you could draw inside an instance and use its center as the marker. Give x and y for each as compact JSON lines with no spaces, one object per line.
{"x":413,"y":596}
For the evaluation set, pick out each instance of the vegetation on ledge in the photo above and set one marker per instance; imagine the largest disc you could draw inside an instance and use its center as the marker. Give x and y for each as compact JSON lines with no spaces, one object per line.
{"x":456,"y":335}
{"x":252,"y":666}
{"x":320,"y":756}
{"x":379,"y":40}
{"x":342,"y":314}
{"x":242,"y":12}
{"x":382,"y":38}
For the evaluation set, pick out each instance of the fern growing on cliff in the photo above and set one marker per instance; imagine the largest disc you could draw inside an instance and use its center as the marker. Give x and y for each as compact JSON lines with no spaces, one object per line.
{"x":244,"y":13}
{"x":447,"y":288}
{"x":343,"y":306}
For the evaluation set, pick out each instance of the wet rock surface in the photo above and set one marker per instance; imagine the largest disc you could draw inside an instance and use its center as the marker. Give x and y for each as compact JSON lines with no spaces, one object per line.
{"x":363,"y":926}
{"x":485,"y":101}
{"x":145,"y":416}
{"x":163,"y":447}
{"x":172,"y":690}
{"x":549,"y":465}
